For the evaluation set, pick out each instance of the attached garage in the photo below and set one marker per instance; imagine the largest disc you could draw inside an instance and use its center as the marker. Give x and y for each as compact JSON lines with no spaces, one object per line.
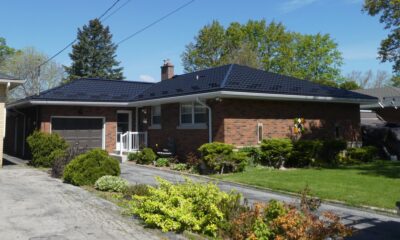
{"x":86,"y":132}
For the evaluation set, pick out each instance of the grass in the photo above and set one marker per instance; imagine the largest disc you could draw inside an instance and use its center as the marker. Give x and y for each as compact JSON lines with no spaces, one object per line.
{"x":375,"y":184}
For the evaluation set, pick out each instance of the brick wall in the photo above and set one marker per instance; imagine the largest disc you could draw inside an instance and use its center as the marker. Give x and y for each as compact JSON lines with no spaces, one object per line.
{"x":110,"y":114}
{"x":184,"y":140}
{"x":241,"y":117}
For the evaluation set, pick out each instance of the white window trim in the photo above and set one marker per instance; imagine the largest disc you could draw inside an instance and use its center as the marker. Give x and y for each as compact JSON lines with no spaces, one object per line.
{"x":98,"y":117}
{"x":155,"y":126}
{"x":192,"y":125}
{"x":258,"y":132}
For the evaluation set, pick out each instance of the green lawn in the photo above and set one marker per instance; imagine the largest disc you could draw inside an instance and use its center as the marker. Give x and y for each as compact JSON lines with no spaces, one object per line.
{"x":375,"y":184}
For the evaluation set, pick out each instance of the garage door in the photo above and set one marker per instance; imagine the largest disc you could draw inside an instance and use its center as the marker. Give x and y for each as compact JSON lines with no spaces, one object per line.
{"x":87,"y":133}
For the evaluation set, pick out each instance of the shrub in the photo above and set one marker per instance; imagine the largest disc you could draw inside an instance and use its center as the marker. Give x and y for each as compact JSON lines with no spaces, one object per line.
{"x":192,"y":159}
{"x":133,"y":156}
{"x":180,"y":167}
{"x":363,"y":154}
{"x":136,"y":190}
{"x":275,"y":152}
{"x":186,"y":206}
{"x":45,"y":148}
{"x":220,"y":157}
{"x":146,"y":156}
{"x":110,"y":183}
{"x":162,"y":162}
{"x":254,"y":154}
{"x":305,"y":153}
{"x":64,"y":157}
{"x":330,"y":150}
{"x":86,"y":168}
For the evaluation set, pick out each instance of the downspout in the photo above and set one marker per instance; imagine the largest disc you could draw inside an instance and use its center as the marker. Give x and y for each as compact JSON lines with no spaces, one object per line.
{"x":210,"y":137}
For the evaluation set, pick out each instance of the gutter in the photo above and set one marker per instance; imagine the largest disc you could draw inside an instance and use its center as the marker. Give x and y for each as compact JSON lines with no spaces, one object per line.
{"x":210,"y":137}
{"x":207,"y":95}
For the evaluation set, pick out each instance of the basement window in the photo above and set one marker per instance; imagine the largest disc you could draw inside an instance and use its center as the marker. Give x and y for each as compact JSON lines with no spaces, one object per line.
{"x":259,"y":132}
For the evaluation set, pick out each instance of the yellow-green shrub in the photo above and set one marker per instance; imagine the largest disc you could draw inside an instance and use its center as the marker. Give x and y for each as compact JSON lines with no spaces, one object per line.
{"x":186,"y":206}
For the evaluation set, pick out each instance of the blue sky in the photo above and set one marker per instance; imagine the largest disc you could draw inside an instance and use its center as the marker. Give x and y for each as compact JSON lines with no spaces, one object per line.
{"x":49,"y":25}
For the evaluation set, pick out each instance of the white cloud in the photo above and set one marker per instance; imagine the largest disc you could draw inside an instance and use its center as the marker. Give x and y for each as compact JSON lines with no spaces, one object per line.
{"x":292,"y":5}
{"x":146,"y":78}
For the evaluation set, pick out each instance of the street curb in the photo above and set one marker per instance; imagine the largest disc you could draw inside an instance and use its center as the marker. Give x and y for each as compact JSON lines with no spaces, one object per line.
{"x":383,"y":211}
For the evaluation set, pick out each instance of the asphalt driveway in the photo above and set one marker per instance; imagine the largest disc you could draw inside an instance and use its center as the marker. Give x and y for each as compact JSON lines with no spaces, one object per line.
{"x":36,"y":206}
{"x":369,"y":225}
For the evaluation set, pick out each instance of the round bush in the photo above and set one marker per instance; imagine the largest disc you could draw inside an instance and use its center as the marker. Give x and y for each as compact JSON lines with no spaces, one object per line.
{"x":111,"y":184}
{"x":45,"y":147}
{"x":86,"y":168}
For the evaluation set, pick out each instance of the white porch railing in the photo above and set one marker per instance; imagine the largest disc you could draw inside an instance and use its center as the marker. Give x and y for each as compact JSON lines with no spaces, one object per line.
{"x":132,"y":141}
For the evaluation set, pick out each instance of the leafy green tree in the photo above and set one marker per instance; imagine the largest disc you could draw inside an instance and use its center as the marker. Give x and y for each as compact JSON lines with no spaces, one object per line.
{"x":266,"y":46}
{"x":389,"y":11}
{"x":208,"y":49}
{"x":349,"y":85}
{"x":24,"y":65}
{"x":395,"y":81}
{"x":5,"y":51}
{"x":94,"y":54}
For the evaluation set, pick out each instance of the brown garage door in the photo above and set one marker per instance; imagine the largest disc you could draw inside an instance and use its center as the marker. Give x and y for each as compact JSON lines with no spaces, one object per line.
{"x":87,"y":133}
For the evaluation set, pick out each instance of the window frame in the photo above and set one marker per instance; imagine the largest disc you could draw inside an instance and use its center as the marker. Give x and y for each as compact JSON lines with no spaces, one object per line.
{"x":155,"y":125}
{"x":193,"y":114}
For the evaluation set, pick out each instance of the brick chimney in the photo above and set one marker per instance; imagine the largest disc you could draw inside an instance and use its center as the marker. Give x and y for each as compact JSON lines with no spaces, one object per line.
{"x":167,"y":70}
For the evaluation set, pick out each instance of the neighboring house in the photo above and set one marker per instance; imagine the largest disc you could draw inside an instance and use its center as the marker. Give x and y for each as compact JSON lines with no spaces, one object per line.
{"x":385,"y":110}
{"x":232,"y":104}
{"x":6,"y":83}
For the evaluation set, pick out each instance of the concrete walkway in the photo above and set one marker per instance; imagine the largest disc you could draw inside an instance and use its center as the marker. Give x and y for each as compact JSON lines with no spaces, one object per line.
{"x":369,"y":225}
{"x":35,"y":206}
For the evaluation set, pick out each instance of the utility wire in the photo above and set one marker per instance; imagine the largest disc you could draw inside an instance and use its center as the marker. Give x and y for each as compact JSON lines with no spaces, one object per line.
{"x":155,"y":22}
{"x":116,"y":10}
{"x":71,"y":43}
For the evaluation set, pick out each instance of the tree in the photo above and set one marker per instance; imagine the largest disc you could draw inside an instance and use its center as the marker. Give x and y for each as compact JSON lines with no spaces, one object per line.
{"x":368,"y":79}
{"x":389,"y":11}
{"x":94,"y":54}
{"x":349,"y":85}
{"x":266,"y":46}
{"x":24,"y":65}
{"x":5,"y":51}
{"x":395,"y":81}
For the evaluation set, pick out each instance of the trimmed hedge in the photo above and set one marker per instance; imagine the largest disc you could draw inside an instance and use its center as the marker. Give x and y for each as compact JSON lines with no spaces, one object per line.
{"x":46,"y":147}
{"x":86,"y":168}
{"x":275,"y":152}
{"x":305,"y":153}
{"x":220,"y":157}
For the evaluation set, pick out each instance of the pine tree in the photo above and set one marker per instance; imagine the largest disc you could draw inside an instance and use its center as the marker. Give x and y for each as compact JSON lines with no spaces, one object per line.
{"x":93,"y":56}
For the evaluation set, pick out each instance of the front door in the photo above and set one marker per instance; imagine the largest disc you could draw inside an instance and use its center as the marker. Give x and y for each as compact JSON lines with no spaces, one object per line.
{"x":123,"y":125}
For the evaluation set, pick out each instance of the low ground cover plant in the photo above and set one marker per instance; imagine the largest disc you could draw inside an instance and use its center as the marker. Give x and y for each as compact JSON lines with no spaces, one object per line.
{"x":111,"y":184}
{"x":179,"y":167}
{"x":86,"y":168}
{"x":45,"y":147}
{"x":162,"y":162}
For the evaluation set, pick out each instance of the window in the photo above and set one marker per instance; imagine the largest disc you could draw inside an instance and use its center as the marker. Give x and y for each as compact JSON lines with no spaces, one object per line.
{"x":156,"y":115}
{"x":259,"y":132}
{"x":193,"y":113}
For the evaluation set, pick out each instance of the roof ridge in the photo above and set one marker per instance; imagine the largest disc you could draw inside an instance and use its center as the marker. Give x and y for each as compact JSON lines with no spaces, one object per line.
{"x":223,"y":83}
{"x":113,"y":80}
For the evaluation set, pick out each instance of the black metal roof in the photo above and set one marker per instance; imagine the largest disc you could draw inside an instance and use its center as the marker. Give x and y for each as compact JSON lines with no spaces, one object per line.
{"x":94,"y":90}
{"x":235,"y":77}
{"x":231,"y":77}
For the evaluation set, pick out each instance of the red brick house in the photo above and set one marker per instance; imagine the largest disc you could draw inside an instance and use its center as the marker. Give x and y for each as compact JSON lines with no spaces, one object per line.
{"x":232,"y":103}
